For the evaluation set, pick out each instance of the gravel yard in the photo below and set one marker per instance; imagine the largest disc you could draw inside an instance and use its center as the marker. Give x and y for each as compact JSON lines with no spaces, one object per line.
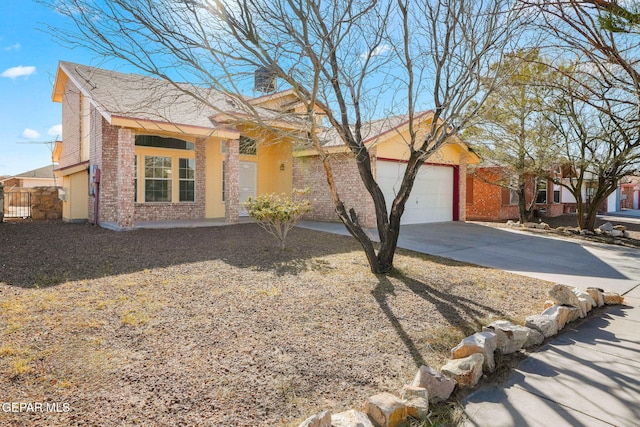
{"x":218,"y":327}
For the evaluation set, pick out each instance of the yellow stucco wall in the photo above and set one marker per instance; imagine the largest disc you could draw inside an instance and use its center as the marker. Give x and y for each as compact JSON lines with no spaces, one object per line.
{"x":76,"y":205}
{"x":214,"y":206}
{"x":398,"y":149}
{"x":270,"y":154}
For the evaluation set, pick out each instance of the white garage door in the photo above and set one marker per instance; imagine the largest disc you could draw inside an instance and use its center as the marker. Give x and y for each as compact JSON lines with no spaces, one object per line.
{"x":431,"y":199}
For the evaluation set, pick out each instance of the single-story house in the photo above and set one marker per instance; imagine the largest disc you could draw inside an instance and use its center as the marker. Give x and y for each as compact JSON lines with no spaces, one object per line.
{"x":136,"y":148}
{"x":41,"y":177}
{"x":487,"y":201}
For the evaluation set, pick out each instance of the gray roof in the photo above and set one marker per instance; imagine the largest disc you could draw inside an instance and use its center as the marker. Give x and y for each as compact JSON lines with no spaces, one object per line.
{"x":370,"y":130}
{"x":45,"y":172}
{"x":146,"y":98}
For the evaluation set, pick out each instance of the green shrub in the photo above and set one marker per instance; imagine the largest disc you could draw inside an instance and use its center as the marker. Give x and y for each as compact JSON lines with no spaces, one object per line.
{"x":278,"y":214}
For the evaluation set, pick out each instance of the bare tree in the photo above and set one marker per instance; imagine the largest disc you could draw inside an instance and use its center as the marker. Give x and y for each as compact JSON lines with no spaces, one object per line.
{"x":598,"y":102}
{"x":346,"y":60}
{"x":599,"y":148}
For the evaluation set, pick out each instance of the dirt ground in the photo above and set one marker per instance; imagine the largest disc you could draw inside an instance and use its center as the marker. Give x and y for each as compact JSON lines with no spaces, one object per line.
{"x":218,"y":327}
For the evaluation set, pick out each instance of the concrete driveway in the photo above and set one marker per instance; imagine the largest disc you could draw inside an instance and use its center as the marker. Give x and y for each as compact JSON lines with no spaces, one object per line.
{"x":566,"y":261}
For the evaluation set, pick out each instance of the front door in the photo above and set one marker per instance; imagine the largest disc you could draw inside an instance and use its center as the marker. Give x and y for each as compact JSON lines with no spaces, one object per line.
{"x":247,"y":183}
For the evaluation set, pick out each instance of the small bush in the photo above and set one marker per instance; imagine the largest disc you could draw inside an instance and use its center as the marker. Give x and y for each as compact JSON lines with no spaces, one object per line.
{"x":277,"y":214}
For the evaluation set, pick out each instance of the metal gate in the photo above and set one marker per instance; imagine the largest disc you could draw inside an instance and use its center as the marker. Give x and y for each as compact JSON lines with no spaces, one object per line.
{"x":17,"y":204}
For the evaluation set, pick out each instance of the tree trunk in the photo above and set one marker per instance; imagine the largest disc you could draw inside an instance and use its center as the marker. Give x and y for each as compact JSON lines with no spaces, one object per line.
{"x":522,"y":205}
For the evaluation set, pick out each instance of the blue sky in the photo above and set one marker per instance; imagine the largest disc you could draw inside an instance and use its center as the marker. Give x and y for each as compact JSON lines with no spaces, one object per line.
{"x":28,"y":63}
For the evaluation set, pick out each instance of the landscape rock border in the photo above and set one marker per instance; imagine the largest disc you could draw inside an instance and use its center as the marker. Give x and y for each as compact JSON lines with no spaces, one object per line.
{"x":472,"y":357}
{"x":606,"y":233}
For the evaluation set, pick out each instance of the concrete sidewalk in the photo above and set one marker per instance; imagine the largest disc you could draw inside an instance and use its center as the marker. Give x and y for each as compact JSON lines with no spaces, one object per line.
{"x":589,"y":375}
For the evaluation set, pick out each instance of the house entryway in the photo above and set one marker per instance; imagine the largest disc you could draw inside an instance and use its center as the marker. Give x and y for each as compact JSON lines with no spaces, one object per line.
{"x":247,"y":183}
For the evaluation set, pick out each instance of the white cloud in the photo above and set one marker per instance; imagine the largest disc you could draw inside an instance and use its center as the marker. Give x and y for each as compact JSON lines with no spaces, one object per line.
{"x":55,"y":131}
{"x":18,"y":71}
{"x":30,"y":134}
{"x":378,"y":51}
{"x":14,"y":47}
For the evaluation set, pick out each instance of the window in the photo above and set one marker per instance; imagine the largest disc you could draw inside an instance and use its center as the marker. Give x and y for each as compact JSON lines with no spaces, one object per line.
{"x":542,"y":192}
{"x":160,"y":142}
{"x":513,"y":197}
{"x":187,"y":179}
{"x":157,"y":179}
{"x":556,"y":193}
{"x":248,"y":146}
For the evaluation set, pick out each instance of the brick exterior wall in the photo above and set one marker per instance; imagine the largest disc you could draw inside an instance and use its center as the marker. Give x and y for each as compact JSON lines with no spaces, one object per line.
{"x":462,"y":188}
{"x":232,"y":184}
{"x":626,"y":190}
{"x":309,"y":172}
{"x":489,"y":202}
{"x":177,"y":211}
{"x":125,"y":187}
{"x":104,"y":154}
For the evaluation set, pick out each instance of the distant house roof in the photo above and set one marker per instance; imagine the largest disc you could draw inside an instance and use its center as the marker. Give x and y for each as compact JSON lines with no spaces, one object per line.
{"x":45,"y":172}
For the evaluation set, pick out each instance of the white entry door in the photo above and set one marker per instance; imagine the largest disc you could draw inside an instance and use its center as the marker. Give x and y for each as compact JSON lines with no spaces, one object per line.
{"x":431,"y":199}
{"x":247,"y":183}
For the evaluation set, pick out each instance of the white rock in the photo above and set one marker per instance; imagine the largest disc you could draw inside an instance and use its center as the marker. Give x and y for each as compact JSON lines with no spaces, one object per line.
{"x":323,"y":419}
{"x":558,"y":312}
{"x":467,"y":371}
{"x":586,"y":302}
{"x":612,"y":298}
{"x":386,"y":410}
{"x":563,"y":295}
{"x":529,"y":225}
{"x":606,"y":227}
{"x":544,"y":324}
{"x":596,"y":294}
{"x":416,"y":400}
{"x":481,"y":342}
{"x":535,"y":337}
{"x":351,"y":418}
{"x":509,"y":337}
{"x":574,"y":314}
{"x":438,"y":386}
{"x":617,"y":233}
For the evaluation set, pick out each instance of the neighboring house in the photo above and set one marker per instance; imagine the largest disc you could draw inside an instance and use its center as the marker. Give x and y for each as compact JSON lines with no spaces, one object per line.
{"x":487,"y":201}
{"x":136,"y":149}
{"x":630,"y":193}
{"x":41,"y":177}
